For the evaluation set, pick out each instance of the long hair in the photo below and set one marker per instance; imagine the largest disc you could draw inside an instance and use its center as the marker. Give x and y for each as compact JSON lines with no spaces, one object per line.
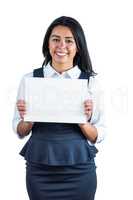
{"x":82,"y":58}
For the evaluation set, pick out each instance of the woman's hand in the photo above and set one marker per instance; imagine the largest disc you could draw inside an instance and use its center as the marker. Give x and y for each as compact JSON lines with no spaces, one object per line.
{"x":88,"y":108}
{"x":87,"y":128}
{"x":23,"y":127}
{"x":21,"y":106}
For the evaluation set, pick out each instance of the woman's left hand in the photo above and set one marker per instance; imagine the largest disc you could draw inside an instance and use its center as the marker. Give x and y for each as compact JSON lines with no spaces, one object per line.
{"x":88,"y":108}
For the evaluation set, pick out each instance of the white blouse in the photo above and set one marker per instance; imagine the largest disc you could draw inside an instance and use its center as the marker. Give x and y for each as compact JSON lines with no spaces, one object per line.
{"x":98,"y":115}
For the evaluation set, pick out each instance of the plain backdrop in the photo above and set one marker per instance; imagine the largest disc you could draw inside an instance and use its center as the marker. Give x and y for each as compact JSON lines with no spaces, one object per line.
{"x":108,"y":27}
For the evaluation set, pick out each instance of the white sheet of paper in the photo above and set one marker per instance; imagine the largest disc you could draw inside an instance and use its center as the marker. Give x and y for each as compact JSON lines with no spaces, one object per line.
{"x":55,"y":100}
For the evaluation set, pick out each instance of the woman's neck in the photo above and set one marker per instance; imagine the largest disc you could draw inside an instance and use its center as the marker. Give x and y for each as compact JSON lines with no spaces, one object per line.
{"x":60,"y":68}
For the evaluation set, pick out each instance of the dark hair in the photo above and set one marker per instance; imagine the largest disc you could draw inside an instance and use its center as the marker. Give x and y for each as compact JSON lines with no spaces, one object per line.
{"x":82,"y":58}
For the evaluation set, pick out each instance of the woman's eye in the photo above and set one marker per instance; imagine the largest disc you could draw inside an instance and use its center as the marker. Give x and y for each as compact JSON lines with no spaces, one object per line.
{"x":69,"y":41}
{"x":55,"y":40}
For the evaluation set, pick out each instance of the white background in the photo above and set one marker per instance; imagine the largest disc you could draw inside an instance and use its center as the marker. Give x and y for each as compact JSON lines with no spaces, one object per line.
{"x":108,"y":28}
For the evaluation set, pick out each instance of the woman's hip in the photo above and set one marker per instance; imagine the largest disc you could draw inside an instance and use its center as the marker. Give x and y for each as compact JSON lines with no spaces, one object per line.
{"x":61,"y":182}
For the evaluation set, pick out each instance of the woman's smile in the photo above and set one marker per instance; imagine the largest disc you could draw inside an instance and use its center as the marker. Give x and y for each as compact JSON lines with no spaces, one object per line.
{"x":61,"y":54}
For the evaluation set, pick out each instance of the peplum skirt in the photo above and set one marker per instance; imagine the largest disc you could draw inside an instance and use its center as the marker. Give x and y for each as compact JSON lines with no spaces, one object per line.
{"x":58,"y":169}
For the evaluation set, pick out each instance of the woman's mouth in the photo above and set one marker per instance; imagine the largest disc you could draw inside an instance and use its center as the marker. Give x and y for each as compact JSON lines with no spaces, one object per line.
{"x":61,"y":53}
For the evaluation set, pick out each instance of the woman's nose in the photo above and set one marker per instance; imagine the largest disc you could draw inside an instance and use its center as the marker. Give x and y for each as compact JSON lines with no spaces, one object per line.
{"x":62,"y":44}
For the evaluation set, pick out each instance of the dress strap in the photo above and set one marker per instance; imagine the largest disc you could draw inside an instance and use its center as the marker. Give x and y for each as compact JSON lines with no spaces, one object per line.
{"x":38,"y":72}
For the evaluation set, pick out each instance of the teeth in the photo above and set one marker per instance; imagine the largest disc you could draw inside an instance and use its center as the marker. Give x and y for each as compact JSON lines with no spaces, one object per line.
{"x":60,"y":54}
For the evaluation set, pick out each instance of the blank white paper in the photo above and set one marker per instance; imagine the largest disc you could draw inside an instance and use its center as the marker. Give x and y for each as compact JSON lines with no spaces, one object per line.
{"x":55,"y":100}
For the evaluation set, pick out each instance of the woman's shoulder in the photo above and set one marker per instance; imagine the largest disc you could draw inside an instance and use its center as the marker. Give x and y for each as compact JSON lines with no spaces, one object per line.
{"x":96,"y":85}
{"x":95,"y":81}
{"x":27,"y":75}
{"x":30,"y":74}
{"x":22,"y":80}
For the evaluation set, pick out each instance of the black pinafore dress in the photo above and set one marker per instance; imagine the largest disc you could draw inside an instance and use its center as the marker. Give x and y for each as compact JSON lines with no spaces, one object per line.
{"x":59,"y":161}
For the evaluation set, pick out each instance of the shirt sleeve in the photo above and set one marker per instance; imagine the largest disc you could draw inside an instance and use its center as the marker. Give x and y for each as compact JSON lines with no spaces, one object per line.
{"x":20,"y":96}
{"x":98,"y":118}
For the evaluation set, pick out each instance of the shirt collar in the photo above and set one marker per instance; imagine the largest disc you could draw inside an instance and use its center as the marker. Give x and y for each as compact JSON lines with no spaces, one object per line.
{"x":49,"y":71}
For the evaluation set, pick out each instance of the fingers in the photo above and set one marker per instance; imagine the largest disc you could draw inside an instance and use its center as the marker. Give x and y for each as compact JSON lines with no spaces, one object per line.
{"x":88,"y":108}
{"x":21,"y":106}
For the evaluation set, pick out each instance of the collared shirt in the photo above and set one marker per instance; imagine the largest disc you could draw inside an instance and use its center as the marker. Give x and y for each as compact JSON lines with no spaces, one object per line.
{"x":94,"y":92}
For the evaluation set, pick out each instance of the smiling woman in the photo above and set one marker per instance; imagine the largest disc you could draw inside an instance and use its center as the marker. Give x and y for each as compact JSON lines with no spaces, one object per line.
{"x":60,"y":156}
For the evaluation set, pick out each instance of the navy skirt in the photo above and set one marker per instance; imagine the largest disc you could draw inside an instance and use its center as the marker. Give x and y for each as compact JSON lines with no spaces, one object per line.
{"x":75,"y":182}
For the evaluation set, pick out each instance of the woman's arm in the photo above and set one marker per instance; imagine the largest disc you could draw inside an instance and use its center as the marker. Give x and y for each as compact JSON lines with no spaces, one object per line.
{"x":89,"y":131}
{"x":19,"y":126}
{"x":95,"y":128}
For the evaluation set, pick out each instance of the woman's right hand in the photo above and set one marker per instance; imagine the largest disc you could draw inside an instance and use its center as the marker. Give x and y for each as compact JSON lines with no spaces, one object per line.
{"x":21,"y":106}
{"x":23,"y":127}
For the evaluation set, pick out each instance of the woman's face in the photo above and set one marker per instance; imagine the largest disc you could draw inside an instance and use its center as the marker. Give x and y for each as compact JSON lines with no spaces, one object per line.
{"x":62,"y":47}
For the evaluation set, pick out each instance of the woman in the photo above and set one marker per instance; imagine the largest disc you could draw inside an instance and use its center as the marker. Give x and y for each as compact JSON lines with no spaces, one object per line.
{"x":60,"y":156}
